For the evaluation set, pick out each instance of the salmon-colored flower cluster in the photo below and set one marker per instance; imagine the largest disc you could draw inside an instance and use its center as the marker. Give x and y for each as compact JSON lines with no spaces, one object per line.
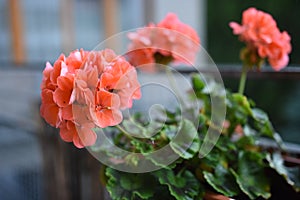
{"x":85,"y":90}
{"x":261,"y":34}
{"x":169,"y":40}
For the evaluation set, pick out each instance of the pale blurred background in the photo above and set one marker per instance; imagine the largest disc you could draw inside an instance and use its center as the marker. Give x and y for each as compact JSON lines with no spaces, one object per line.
{"x":35,"y":31}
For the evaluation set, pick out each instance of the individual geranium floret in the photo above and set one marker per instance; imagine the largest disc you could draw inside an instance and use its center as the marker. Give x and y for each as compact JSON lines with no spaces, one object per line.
{"x":62,"y":94}
{"x":85,"y":84}
{"x":121,"y":78}
{"x":107,"y":107}
{"x":49,"y":109}
{"x":75,"y":60}
{"x":277,"y":52}
{"x":81,"y":136}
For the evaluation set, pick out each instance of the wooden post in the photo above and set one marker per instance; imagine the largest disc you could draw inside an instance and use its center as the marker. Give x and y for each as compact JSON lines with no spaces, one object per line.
{"x":111,"y":22}
{"x":68,"y":173}
{"x":16,"y":30}
{"x":67,"y":25}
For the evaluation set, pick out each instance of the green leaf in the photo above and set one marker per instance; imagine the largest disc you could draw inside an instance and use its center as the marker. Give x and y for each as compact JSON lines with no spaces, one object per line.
{"x":172,"y":117}
{"x":290,"y":174}
{"x":262,"y":123}
{"x":245,"y":141}
{"x":242,"y":102}
{"x":132,"y":159}
{"x":197,"y":83}
{"x":183,"y":186}
{"x":129,"y":186}
{"x":222,"y":181}
{"x":142,"y":147}
{"x":198,"y":86}
{"x":160,"y":160}
{"x":249,"y":131}
{"x":225,"y":144}
{"x":250,"y":175}
{"x":259,"y":115}
{"x":133,"y":127}
{"x":212,"y":159}
{"x":294,"y":175}
{"x":171,"y":131}
{"x":162,"y":192}
{"x":238,"y":110}
{"x":186,"y":143}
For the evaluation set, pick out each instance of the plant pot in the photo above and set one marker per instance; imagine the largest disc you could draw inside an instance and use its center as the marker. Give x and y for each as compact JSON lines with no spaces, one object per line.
{"x":215,"y":196}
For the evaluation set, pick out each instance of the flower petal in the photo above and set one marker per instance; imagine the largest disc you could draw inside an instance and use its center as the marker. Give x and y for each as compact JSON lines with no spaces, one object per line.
{"x":67,"y":131}
{"x":107,"y":117}
{"x":62,"y":97}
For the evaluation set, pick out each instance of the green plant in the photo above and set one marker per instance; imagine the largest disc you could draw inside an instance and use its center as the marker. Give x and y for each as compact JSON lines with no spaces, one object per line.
{"x":236,"y":166}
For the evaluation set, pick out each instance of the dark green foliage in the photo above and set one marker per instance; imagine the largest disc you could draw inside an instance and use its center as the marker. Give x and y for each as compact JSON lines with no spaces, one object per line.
{"x":236,"y":167}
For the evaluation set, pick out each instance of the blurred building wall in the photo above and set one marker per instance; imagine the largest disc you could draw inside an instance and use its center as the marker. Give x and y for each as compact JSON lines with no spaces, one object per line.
{"x":54,"y":26}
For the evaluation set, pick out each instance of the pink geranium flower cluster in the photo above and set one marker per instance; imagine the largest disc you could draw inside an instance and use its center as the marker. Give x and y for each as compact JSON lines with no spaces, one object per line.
{"x":261,"y":34}
{"x":170,"y":38}
{"x":85,"y":90}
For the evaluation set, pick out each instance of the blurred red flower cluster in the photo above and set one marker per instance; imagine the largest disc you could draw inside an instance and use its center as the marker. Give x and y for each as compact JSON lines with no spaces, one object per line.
{"x":170,"y":38}
{"x":260,"y":33}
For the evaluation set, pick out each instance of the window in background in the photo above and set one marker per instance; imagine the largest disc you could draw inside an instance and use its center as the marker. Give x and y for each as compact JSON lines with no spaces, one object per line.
{"x":5,"y":47}
{"x":88,"y":23}
{"x":41,"y":29}
{"x":52,"y":26}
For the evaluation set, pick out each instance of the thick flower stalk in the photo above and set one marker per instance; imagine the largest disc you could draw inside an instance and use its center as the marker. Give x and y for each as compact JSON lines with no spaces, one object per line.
{"x":85,"y":90}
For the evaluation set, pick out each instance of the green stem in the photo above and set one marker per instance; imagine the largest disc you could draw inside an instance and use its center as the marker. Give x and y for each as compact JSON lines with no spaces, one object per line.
{"x":181,"y":170}
{"x":128,"y":135}
{"x":173,"y":84}
{"x":243,"y":79}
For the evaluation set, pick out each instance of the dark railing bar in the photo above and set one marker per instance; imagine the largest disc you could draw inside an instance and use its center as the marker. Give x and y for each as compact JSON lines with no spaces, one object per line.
{"x":291,"y":72}
{"x":226,"y":70}
{"x":234,"y":71}
{"x":292,"y":148}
